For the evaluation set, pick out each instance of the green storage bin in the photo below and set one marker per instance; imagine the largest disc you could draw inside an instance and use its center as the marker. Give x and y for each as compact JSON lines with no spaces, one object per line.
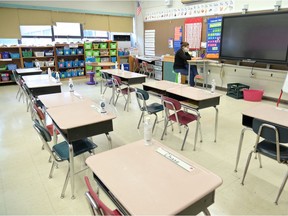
{"x":88,"y":53}
{"x":89,"y":68}
{"x":113,"y":45}
{"x":88,"y":45}
{"x":95,"y":45}
{"x":3,"y":67}
{"x":113,"y":52}
{"x":103,"y":45}
{"x":98,"y":59}
{"x":96,"y":53}
{"x":98,"y":68}
{"x":27,"y":54}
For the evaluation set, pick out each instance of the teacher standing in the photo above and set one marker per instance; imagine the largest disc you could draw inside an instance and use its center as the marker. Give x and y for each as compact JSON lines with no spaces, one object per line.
{"x":181,"y":65}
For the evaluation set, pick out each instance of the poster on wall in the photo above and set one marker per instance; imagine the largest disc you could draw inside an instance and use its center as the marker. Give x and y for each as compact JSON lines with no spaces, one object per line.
{"x":177,"y":38}
{"x":213,"y":37}
{"x":193,"y":32}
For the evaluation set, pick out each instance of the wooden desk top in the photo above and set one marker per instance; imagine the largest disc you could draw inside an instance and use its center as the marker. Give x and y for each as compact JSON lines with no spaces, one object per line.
{"x":38,"y":81}
{"x":100,"y":64}
{"x":78,"y":114}
{"x":268,"y":113}
{"x":162,"y":85}
{"x":193,"y":93}
{"x":28,"y":70}
{"x":60,"y":99}
{"x":147,"y":183}
{"x":200,"y":60}
{"x":123,"y":73}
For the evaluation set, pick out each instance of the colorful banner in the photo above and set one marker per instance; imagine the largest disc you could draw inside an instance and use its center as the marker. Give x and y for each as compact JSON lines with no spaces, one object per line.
{"x":193,"y":32}
{"x":177,"y":38}
{"x":213,"y":37}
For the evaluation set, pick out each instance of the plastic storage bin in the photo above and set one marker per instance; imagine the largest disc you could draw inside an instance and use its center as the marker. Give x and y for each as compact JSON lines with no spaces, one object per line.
{"x":113,"y":59}
{"x":88,"y":45}
{"x":39,"y":54}
{"x":5,"y":55}
{"x":28,"y":64}
{"x":15,"y":55}
{"x":113,"y":52}
{"x":73,"y":51}
{"x":103,"y":45}
{"x":5,"y":77}
{"x":27,"y":53}
{"x":67,"y":52}
{"x":96,"y":46}
{"x":88,"y":53}
{"x":96,"y":53}
{"x":12,"y":66}
{"x":61,"y":64}
{"x":113,"y":45}
{"x":81,"y":63}
{"x":90,"y":59}
{"x":49,"y":63}
{"x":235,"y":90}
{"x":80,"y":51}
{"x":75,"y":63}
{"x":60,"y":51}
{"x":68,"y":64}
{"x":49,"y":53}
{"x":253,"y":94}
{"x":3,"y":67}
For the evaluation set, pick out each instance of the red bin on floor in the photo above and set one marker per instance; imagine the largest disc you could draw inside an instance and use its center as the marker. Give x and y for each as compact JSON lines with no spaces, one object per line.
{"x":253,"y":94}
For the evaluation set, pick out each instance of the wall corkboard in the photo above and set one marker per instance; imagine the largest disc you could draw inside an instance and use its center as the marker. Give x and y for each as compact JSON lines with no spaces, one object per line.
{"x":164,"y":30}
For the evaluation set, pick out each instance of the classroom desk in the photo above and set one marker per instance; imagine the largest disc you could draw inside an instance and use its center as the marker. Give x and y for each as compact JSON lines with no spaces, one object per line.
{"x":42,"y":84}
{"x":159,"y":87}
{"x":80,"y":120}
{"x":60,"y":99}
{"x":264,"y":112}
{"x":100,"y":64}
{"x":28,"y":71}
{"x":127,"y":77}
{"x":142,"y":181}
{"x":202,"y":63}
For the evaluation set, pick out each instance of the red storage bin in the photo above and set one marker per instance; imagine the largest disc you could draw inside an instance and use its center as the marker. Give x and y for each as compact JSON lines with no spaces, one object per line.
{"x":253,"y":94}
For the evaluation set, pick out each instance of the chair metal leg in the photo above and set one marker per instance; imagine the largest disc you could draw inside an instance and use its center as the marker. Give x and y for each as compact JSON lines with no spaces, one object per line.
{"x":187,"y":130}
{"x":246,"y":167}
{"x":206,"y":212}
{"x":109,"y":139}
{"x":281,"y":188}
{"x":196,"y":134}
{"x":65,"y":184}
{"x":156,"y":118}
{"x":142,"y":114}
{"x":52,"y":169}
{"x":200,"y":131}
{"x":260,"y":162}
{"x":71,"y":170}
{"x":216,"y":123}
{"x":240,"y":146}
{"x":165,"y":128}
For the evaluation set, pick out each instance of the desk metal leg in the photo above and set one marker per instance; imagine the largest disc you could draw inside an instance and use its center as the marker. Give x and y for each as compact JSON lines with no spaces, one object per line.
{"x":71,"y":158}
{"x":240,"y":146}
{"x":216,"y":123}
{"x":189,"y":71}
{"x":109,"y":139}
{"x":206,"y":212}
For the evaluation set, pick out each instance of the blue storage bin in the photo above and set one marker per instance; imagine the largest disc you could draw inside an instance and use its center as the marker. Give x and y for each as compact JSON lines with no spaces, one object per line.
{"x":75,"y":63}
{"x":80,"y":72}
{"x":59,"y":51}
{"x":28,"y":64}
{"x":126,"y":67}
{"x":63,"y":74}
{"x":113,"y":59}
{"x":68,"y":64}
{"x":68,"y":74}
{"x":80,"y":51}
{"x":73,"y":51}
{"x":81,"y":63}
{"x":12,"y":66}
{"x":15,"y":55}
{"x":61,"y":64}
{"x":90,"y":59}
{"x":67,"y":52}
{"x":5,"y":55}
{"x":74,"y":73}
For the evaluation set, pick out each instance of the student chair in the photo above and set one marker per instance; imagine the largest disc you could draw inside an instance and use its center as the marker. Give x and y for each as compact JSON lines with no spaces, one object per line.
{"x":19,"y":82}
{"x":174,"y":113}
{"x":148,"y":69}
{"x":119,"y":90}
{"x":107,"y":81}
{"x":284,"y":89}
{"x":97,"y":207}
{"x":60,"y":151}
{"x":273,"y":145}
{"x":143,"y":96}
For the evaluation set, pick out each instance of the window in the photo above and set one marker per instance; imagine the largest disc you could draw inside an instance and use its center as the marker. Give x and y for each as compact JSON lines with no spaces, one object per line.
{"x":67,"y":29}
{"x":37,"y":31}
{"x":36,"y":41}
{"x":92,"y":34}
{"x":5,"y":41}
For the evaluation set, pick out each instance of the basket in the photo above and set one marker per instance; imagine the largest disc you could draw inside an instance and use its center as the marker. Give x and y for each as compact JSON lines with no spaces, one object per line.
{"x":5,"y":77}
{"x":80,"y":72}
{"x":113,"y":45}
{"x":73,"y":51}
{"x":12,"y":66}
{"x":61,"y":64}
{"x":104,"y":52}
{"x":88,"y":53}
{"x":5,"y":55}
{"x":253,"y":94}
{"x":235,"y":90}
{"x":103,"y":45}
{"x":59,"y":51}
{"x":41,"y":63}
{"x":39,"y":54}
{"x":27,"y":53}
{"x":49,"y":53}
{"x":90,"y":59}
{"x":75,"y":63}
{"x":3,"y":67}
{"x":88,"y":45}
{"x":80,"y":51}
{"x":96,"y":53}
{"x":28,"y":64}
{"x":67,"y":52}
{"x":15,"y":55}
{"x":96,"y":46}
{"x":113,"y":52}
{"x":81,"y":63}
{"x":49,"y":63}
{"x":68,"y":64}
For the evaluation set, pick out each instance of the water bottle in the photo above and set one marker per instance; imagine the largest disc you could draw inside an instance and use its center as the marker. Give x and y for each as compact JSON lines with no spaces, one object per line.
{"x":147,"y":131}
{"x":102,"y":104}
{"x":57,"y":77}
{"x":49,"y":73}
{"x":179,"y":78}
{"x":213,"y":85}
{"x":116,"y":65}
{"x":71,"y":85}
{"x":122,"y":67}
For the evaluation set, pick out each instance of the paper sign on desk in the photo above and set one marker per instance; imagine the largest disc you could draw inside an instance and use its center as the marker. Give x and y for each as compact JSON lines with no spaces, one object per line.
{"x":174,"y":159}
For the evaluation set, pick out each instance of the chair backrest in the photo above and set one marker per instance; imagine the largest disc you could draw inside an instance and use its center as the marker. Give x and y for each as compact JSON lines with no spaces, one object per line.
{"x":101,"y":206}
{"x":170,"y":103}
{"x":16,"y":77}
{"x":105,"y":76}
{"x":142,"y":96}
{"x":38,"y":111}
{"x":271,"y":132}
{"x":116,"y":81}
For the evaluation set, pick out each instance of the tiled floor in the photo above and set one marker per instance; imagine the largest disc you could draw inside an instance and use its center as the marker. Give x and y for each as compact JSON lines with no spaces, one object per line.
{"x":26,"y":190}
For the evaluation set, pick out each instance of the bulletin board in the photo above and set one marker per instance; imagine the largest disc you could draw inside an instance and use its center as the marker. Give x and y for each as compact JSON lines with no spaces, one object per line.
{"x":193,"y":32}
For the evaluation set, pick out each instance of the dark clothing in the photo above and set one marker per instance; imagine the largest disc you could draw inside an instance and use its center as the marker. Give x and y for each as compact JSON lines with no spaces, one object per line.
{"x":181,"y":65}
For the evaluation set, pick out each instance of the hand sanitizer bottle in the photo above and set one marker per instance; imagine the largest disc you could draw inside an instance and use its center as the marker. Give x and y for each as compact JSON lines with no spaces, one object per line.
{"x":148,"y":131}
{"x":122,"y":67}
{"x":116,"y":65}
{"x":49,"y":73}
{"x":179,"y":78}
{"x":213,"y":85}
{"x":57,"y":77}
{"x":71,"y":85}
{"x":102,"y":104}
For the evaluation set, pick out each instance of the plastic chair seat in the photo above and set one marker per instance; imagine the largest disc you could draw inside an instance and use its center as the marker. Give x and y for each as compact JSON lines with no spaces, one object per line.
{"x":50,"y":129}
{"x":79,"y":147}
{"x":265,"y":148}
{"x":184,"y":118}
{"x":154,"y":108}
